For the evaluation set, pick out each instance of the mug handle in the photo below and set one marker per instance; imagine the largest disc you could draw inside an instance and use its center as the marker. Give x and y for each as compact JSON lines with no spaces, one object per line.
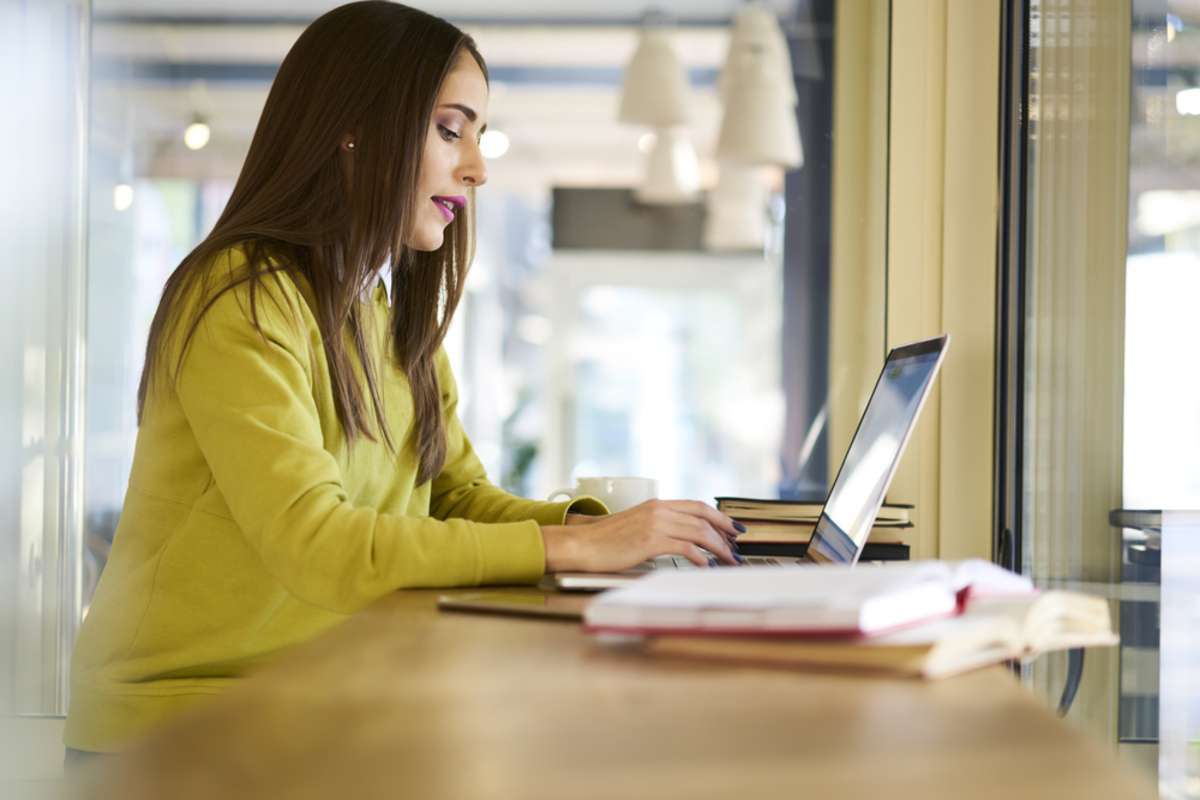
{"x":568,"y":492}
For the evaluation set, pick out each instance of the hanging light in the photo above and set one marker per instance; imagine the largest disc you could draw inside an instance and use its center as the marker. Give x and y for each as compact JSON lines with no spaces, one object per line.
{"x":494,"y":143}
{"x":672,"y":170}
{"x":1187,"y":102}
{"x":736,"y":217}
{"x":655,"y":89}
{"x":122,"y":196}
{"x":197,"y":133}
{"x":755,"y":28}
{"x":123,"y":190}
{"x":759,"y":124}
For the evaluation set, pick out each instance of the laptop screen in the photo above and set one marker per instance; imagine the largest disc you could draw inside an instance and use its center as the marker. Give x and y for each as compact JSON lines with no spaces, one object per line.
{"x":867,"y":470}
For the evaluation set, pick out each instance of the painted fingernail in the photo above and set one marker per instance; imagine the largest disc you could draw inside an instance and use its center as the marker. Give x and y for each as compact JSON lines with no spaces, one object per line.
{"x":712,"y":561}
{"x":739,"y":526}
{"x":738,"y":559}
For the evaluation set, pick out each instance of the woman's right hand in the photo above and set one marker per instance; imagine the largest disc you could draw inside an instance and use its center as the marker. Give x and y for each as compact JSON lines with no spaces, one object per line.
{"x":627,"y":538}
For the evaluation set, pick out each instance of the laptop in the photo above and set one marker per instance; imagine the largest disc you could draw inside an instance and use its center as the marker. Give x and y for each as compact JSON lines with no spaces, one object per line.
{"x":862,"y":481}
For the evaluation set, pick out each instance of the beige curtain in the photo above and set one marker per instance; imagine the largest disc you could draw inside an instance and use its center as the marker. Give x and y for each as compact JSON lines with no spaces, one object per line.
{"x":1078,"y":201}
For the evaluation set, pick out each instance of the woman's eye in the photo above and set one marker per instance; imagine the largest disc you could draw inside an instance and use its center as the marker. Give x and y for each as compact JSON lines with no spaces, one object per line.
{"x":448,"y":134}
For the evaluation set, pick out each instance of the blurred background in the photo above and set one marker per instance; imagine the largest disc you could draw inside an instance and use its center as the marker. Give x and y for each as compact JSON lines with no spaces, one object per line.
{"x":650,"y":296}
{"x":612,"y":324}
{"x":705,"y":223}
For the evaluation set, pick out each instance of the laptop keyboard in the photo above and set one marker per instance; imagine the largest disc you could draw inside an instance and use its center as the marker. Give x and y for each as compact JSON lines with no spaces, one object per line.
{"x":679,"y":562}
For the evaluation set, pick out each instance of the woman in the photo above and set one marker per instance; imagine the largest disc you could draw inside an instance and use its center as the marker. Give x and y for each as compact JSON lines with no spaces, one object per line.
{"x":299,"y":454}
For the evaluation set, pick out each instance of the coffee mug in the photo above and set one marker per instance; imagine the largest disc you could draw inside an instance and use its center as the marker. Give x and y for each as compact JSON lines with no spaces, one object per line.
{"x":616,"y":493}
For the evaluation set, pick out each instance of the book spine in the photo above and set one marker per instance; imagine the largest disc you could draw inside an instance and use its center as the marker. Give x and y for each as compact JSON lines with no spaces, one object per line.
{"x":871,"y":551}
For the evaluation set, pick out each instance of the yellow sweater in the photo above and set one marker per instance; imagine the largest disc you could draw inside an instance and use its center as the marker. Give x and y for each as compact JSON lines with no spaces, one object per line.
{"x":250,"y":525}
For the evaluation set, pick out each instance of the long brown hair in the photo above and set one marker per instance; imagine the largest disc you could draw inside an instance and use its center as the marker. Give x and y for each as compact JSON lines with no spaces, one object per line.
{"x":372,"y":69}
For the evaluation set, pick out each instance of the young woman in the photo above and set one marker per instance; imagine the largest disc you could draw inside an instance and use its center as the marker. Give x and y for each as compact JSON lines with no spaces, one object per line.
{"x":299,"y":453}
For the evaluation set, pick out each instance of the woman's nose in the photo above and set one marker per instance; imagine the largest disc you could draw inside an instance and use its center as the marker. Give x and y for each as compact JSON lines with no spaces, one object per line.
{"x":473,"y":170}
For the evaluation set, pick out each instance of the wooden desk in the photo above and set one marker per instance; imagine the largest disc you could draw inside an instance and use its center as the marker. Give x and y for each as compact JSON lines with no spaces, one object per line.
{"x":404,"y":701}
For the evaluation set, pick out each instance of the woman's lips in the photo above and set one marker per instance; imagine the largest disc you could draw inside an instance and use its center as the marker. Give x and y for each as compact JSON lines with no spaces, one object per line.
{"x":446,"y":213}
{"x":448,"y":205}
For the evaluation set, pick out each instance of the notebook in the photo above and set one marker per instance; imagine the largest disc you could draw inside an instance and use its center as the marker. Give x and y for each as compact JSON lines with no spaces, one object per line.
{"x":800,"y":600}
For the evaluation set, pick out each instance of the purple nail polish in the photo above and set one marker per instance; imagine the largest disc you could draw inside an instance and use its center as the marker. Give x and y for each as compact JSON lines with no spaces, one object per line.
{"x":739,"y":526}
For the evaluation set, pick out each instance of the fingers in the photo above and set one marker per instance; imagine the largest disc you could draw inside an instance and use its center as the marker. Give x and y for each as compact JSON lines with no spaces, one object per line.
{"x":704,"y":511}
{"x":678,"y":547}
{"x":665,"y":526}
{"x":699,"y":532}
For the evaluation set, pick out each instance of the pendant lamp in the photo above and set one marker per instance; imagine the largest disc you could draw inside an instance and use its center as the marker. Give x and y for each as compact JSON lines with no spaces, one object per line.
{"x":736,"y":216}
{"x":655,"y":88}
{"x":755,"y":28}
{"x":672,"y":170}
{"x":759,"y":124}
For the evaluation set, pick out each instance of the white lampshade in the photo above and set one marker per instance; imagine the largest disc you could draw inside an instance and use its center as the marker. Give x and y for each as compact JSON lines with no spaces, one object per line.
{"x":672,"y":171}
{"x":655,"y":90}
{"x":735,"y":230}
{"x":759,"y":124}
{"x":755,"y":29}
{"x":738,"y":185}
{"x":736,"y":216}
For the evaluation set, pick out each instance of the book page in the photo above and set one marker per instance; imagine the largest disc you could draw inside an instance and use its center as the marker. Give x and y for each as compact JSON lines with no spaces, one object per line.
{"x":983,"y":577}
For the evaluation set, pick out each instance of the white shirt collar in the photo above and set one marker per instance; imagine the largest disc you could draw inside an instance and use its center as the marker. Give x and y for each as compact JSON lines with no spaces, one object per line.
{"x":385,"y":275}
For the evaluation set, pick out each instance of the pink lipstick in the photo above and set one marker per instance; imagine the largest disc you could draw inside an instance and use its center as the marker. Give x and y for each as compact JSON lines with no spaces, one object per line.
{"x":449,"y":205}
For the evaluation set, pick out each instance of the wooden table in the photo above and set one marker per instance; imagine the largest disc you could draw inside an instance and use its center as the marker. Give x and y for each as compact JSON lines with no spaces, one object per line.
{"x":404,"y":701}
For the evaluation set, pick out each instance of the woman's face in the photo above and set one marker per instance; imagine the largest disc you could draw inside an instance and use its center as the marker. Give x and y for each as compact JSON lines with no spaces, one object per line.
{"x":452,"y":161}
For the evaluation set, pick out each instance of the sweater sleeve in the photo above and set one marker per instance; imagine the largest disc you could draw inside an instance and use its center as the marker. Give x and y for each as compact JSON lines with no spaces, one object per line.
{"x":248,"y":397}
{"x":462,"y":489}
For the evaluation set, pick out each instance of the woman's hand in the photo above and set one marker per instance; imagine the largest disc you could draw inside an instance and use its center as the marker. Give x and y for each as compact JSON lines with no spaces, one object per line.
{"x":654,"y":528}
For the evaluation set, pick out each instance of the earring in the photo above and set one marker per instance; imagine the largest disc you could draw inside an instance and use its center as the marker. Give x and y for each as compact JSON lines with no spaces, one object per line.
{"x":349,"y":145}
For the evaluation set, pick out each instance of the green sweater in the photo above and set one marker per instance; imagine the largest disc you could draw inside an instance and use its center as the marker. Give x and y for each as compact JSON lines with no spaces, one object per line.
{"x":250,"y":525}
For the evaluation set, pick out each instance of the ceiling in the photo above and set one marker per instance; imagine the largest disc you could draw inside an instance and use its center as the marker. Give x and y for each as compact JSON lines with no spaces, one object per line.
{"x":712,"y":10}
{"x":555,"y":83}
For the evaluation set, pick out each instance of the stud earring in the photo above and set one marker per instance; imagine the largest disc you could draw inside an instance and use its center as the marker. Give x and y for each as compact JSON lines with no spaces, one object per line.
{"x":349,"y":145}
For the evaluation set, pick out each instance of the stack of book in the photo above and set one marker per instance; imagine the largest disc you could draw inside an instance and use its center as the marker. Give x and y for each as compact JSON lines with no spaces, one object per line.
{"x":926,"y":618}
{"x":784,"y":527}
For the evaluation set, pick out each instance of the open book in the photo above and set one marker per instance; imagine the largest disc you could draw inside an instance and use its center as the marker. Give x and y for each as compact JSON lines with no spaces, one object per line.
{"x":988,"y":631}
{"x":923,"y":618}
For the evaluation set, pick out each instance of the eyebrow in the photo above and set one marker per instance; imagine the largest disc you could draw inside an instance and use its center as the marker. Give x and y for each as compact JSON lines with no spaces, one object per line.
{"x":466,"y":110}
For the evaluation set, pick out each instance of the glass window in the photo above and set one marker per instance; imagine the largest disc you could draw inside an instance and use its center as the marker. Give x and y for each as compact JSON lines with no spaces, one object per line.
{"x":709,"y":369}
{"x":1111,"y":407}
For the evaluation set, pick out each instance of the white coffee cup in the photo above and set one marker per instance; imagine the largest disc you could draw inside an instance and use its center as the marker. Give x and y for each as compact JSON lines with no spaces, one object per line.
{"x":616,"y":493}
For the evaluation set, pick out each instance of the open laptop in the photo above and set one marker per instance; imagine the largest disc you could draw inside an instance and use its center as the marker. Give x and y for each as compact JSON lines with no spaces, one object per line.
{"x":858,"y":490}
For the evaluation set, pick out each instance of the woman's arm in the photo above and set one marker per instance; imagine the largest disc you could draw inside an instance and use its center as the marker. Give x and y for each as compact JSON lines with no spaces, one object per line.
{"x":685,"y":528}
{"x":660,"y":527}
{"x":462,"y":489}
{"x":249,"y":400}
